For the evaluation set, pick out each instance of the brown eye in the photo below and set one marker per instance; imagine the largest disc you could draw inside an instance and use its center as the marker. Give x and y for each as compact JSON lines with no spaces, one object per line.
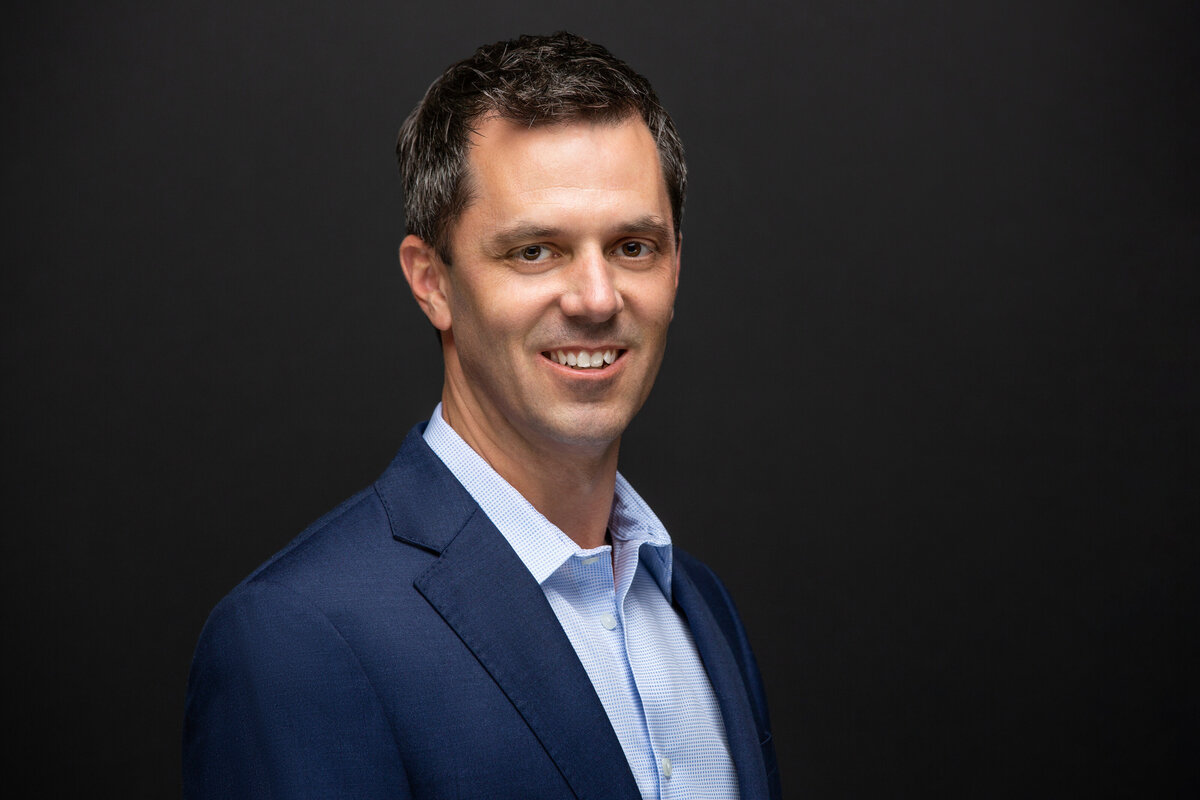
{"x":633,"y":249}
{"x":532,"y":253}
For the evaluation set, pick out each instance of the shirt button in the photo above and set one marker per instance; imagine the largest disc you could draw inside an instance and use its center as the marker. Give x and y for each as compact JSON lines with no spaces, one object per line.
{"x":666,"y":767}
{"x":587,"y":562}
{"x":608,"y":621}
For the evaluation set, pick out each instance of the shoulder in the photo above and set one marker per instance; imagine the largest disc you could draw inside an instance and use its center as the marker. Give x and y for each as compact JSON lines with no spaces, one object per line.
{"x":717,"y":599}
{"x":711,"y":587}
{"x":335,"y":578}
{"x":357,"y":520}
{"x":286,"y":683}
{"x":413,"y":508}
{"x":290,"y":613}
{"x":720,"y":603}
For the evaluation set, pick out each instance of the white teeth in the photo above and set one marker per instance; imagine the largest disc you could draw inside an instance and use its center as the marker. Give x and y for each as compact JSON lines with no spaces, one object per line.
{"x":582,"y":359}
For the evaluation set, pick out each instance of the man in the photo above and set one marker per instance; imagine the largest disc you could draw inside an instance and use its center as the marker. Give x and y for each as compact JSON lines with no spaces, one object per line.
{"x":500,"y":615}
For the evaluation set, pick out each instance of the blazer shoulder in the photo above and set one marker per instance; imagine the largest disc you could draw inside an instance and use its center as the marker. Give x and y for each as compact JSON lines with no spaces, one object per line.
{"x":711,"y":587}
{"x":720,"y":603}
{"x":415,"y":501}
{"x":351,"y":514}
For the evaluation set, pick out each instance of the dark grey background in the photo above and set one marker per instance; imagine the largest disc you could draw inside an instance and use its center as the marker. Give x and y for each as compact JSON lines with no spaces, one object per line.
{"x":930,"y":404}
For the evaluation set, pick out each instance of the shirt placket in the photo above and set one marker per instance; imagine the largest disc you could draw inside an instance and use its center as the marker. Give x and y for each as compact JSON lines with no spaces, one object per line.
{"x":602,"y":607}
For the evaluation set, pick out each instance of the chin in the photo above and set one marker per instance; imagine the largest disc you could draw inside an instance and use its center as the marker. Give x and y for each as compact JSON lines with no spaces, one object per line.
{"x":587,"y":429}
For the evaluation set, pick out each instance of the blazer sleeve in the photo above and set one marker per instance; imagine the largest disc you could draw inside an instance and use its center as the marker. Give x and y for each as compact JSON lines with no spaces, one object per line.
{"x":278,"y":706}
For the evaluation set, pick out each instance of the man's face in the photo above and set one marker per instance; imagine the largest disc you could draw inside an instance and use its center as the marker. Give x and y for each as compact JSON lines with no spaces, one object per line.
{"x":566,"y":252}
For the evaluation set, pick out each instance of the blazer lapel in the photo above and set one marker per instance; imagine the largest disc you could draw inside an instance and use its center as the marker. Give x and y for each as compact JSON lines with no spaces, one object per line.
{"x":485,"y":593}
{"x":727,"y":683}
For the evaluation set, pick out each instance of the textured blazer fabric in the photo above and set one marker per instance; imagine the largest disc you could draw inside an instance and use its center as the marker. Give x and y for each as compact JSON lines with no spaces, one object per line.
{"x":399,"y":648}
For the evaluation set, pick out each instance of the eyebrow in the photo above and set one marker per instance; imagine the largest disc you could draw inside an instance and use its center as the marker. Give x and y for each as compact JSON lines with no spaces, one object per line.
{"x":504,"y":239}
{"x":650,"y":225}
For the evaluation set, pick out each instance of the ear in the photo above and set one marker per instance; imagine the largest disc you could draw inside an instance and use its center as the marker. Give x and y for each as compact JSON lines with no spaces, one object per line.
{"x":426,"y":276}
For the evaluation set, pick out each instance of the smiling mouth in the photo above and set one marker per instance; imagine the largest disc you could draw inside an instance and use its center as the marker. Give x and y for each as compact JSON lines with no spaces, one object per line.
{"x":584,"y":359}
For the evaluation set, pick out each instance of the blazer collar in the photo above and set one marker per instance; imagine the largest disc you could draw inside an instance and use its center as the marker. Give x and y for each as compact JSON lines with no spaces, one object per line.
{"x":426,"y":506}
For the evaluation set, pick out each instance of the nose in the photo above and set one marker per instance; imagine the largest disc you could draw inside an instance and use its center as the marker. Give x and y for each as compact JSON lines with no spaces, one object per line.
{"x":591,"y":293}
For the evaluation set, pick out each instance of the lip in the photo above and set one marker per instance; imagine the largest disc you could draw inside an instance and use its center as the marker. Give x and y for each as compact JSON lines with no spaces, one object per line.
{"x":599,"y":373}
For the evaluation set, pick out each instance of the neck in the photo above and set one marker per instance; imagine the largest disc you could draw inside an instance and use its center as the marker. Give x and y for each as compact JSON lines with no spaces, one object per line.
{"x":569,"y":485}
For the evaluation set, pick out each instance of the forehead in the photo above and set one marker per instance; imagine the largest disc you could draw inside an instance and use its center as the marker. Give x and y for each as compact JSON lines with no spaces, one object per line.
{"x":514,"y":167}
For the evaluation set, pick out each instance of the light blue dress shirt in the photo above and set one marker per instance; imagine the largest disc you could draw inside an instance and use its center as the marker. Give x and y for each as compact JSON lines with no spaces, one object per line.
{"x":636,"y":649}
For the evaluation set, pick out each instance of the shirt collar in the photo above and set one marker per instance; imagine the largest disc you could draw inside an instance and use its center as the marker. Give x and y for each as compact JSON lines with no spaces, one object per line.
{"x":632,"y":521}
{"x":540,"y":545}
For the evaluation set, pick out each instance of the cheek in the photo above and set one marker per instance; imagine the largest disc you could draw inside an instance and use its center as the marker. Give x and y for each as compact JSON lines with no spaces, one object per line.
{"x":658,"y":301}
{"x":515,"y":316}
{"x":478,"y":308}
{"x":489,"y":327}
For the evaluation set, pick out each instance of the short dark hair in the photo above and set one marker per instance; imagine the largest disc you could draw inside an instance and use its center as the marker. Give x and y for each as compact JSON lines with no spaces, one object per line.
{"x":533,"y":80}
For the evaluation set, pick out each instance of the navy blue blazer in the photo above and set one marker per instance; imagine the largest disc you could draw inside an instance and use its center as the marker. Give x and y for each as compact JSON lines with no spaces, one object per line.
{"x":398,"y":648}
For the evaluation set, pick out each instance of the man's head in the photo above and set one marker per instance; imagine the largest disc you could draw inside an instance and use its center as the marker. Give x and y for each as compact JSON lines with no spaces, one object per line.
{"x":531,"y":80}
{"x":559,"y":208}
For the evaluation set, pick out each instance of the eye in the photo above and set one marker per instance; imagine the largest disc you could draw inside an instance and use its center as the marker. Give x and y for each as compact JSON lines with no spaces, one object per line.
{"x":633,"y":249}
{"x":533,"y":252}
